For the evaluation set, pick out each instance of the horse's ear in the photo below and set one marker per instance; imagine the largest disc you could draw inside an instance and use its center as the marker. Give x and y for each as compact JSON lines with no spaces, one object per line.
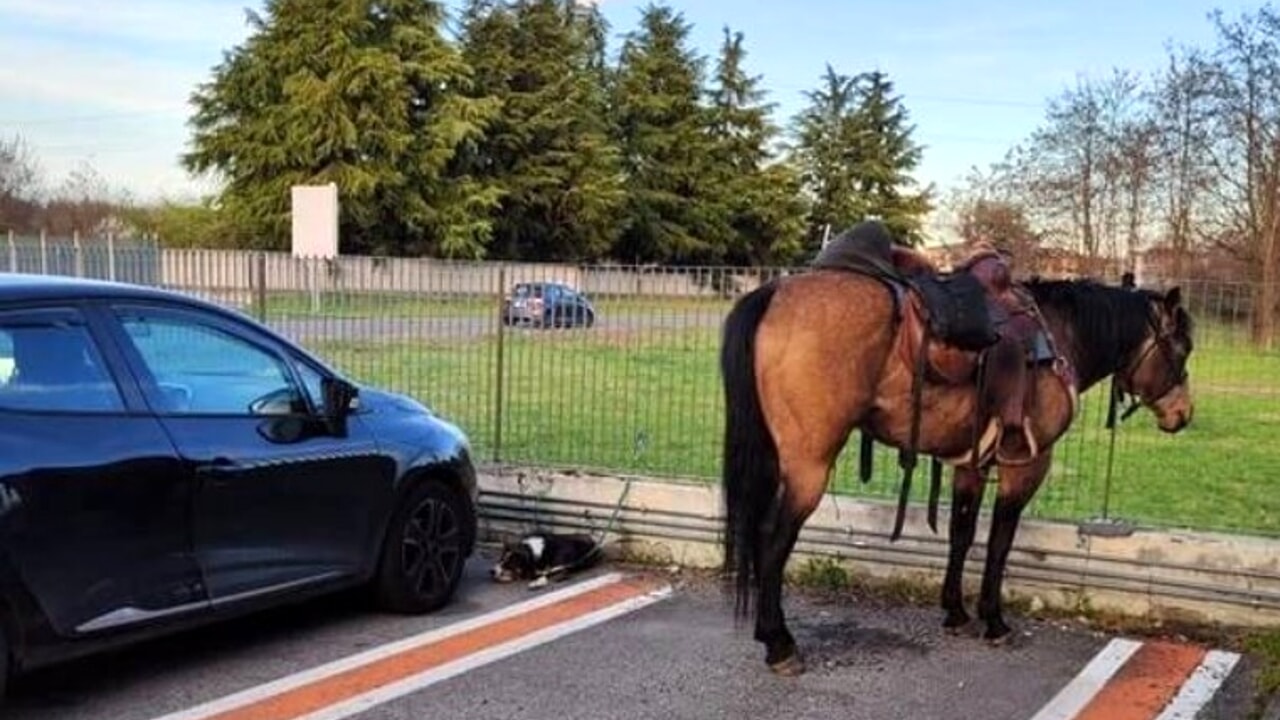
{"x":1173,"y":298}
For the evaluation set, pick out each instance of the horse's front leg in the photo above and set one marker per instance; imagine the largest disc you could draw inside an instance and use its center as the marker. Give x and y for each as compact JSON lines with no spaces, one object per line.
{"x":1017,"y":486}
{"x":966,"y":502}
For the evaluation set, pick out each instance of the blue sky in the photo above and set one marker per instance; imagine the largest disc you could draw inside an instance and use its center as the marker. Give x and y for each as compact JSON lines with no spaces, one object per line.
{"x":107,"y":81}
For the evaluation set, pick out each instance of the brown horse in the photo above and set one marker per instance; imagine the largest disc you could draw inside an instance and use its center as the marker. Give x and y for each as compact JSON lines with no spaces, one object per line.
{"x":806,"y":359}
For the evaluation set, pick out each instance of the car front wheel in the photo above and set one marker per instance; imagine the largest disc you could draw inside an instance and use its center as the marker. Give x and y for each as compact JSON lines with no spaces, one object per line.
{"x":4,"y":662}
{"x":424,"y":554}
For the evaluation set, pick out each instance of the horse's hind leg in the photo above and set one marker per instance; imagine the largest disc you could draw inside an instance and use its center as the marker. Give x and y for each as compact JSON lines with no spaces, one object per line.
{"x":804,"y":489}
{"x":966,"y":494}
{"x":1018,"y":483}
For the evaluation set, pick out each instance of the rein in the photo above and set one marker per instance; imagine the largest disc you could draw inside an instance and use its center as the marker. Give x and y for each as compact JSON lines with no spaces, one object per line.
{"x":1117,"y":395}
{"x":1135,"y":402}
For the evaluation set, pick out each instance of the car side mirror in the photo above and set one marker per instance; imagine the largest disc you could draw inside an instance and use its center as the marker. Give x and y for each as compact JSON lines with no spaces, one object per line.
{"x":340,"y":399}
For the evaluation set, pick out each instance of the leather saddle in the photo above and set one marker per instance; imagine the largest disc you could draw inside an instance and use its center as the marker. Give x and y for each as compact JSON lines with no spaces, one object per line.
{"x":973,"y":324}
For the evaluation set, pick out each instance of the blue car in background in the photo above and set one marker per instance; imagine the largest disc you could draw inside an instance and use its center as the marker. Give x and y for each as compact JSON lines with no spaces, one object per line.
{"x":547,"y":304}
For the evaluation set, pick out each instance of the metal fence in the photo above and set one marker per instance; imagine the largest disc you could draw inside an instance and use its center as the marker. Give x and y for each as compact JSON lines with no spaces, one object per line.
{"x":106,"y":258}
{"x":638,"y":390}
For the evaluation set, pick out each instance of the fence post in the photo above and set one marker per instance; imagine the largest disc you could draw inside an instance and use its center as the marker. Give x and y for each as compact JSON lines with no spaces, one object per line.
{"x":497,"y":394}
{"x":13,"y":254}
{"x":111,"y":256}
{"x":259,"y":280}
{"x":79,"y":251}
{"x":44,"y":253}
{"x":313,"y":279}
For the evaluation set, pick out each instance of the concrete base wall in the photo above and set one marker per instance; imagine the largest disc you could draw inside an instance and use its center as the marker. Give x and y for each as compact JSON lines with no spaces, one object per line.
{"x":1152,"y":574}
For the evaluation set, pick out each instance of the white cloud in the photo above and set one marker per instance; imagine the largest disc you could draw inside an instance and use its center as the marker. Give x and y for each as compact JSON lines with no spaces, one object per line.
{"x":96,"y":81}
{"x":220,"y":22}
{"x":109,"y":82}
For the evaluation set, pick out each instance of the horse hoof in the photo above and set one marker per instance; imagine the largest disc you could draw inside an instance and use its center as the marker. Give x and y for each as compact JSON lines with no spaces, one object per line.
{"x":791,"y":667}
{"x":956,"y":622}
{"x":999,"y":638}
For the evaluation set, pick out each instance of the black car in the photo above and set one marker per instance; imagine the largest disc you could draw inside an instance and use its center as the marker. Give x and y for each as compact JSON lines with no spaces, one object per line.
{"x":547,"y":304}
{"x":165,"y":462}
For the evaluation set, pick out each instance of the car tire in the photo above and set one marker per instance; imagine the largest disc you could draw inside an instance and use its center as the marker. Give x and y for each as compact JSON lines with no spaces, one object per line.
{"x":5,"y":666}
{"x":425,"y":550}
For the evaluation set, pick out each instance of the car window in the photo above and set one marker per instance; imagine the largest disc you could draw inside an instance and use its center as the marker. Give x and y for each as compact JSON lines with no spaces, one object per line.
{"x":49,"y":362}
{"x":200,"y":369}
{"x":311,"y":382}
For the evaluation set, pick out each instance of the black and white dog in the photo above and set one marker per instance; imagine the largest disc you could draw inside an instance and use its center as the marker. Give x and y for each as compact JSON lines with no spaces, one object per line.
{"x":544,"y":557}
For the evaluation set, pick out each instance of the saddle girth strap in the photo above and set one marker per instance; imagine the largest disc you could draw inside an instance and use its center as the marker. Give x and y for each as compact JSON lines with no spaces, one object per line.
{"x":935,"y":490}
{"x":864,"y":457}
{"x":979,"y":410}
{"x":907,"y":457}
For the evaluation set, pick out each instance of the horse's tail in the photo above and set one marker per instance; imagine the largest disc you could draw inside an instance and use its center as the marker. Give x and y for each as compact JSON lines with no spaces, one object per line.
{"x":750,"y":470}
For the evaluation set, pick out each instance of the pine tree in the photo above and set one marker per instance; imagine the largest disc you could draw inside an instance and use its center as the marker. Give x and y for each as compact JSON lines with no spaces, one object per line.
{"x":663,"y":130}
{"x":886,"y":158}
{"x":362,"y":93}
{"x":856,"y":153}
{"x":825,"y":135}
{"x":765,"y":214}
{"x":549,"y":150}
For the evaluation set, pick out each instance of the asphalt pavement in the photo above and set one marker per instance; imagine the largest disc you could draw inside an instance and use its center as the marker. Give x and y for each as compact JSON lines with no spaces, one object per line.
{"x":673,"y":652}
{"x":391,"y":329}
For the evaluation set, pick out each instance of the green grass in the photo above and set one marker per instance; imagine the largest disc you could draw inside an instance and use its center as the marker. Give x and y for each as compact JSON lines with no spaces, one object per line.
{"x":1265,"y":646}
{"x":649,"y":401}
{"x":345,"y":305}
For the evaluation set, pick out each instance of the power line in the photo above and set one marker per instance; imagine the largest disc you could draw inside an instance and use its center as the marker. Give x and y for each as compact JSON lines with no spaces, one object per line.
{"x":94,"y":149}
{"x":71,"y":119}
{"x":910,"y":98}
{"x":993,"y":102}
{"x":907,"y":98}
{"x":926,"y":136}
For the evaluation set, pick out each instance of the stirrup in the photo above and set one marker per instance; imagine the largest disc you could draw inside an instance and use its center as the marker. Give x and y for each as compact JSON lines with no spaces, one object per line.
{"x":1034,"y":448}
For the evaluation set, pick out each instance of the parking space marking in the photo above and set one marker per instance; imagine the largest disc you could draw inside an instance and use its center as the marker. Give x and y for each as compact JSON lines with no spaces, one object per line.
{"x":1201,"y":687}
{"x":1134,"y":680}
{"x":1072,"y":698}
{"x":1145,"y":684}
{"x":354,"y":684}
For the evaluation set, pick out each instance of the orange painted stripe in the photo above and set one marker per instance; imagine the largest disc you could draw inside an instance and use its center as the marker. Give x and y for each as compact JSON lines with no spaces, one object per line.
{"x":357,"y":681}
{"x":1145,"y":684}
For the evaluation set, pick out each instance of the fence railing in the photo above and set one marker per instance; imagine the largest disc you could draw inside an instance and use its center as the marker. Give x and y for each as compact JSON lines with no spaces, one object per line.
{"x":637,"y":391}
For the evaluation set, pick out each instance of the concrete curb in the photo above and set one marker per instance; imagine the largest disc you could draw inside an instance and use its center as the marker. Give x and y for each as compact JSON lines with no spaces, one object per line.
{"x":1175,"y":576}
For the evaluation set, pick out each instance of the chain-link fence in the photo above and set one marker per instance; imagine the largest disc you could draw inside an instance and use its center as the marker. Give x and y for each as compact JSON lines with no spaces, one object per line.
{"x":615,"y":368}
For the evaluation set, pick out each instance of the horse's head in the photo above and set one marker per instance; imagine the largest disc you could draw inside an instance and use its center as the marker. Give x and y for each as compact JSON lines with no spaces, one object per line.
{"x":1156,"y":374}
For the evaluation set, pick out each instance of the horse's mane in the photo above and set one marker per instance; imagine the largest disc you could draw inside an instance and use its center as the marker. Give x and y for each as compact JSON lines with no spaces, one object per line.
{"x":1108,"y":322}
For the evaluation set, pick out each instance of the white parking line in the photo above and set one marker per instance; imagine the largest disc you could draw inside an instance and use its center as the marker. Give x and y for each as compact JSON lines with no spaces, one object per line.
{"x":1072,"y":698}
{"x":1201,"y":686}
{"x":354,"y":684}
{"x":412,"y":684}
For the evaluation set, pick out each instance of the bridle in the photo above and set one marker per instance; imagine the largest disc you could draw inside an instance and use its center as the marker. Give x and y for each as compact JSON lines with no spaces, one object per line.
{"x":1121,"y":382}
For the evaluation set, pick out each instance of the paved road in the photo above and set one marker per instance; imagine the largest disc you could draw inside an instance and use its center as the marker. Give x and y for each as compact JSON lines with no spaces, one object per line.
{"x":384,"y":329}
{"x":671,"y":655}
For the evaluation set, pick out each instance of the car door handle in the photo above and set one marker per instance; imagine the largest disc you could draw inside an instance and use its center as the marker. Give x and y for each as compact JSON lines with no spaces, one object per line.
{"x":216,"y":466}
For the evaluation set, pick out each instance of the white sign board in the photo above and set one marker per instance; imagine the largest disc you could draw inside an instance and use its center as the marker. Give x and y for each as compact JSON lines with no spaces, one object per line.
{"x":315,"y":221}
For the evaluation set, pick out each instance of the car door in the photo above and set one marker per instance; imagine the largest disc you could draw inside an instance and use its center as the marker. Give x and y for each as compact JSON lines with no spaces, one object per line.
{"x":280,"y":501}
{"x":94,"y":500}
